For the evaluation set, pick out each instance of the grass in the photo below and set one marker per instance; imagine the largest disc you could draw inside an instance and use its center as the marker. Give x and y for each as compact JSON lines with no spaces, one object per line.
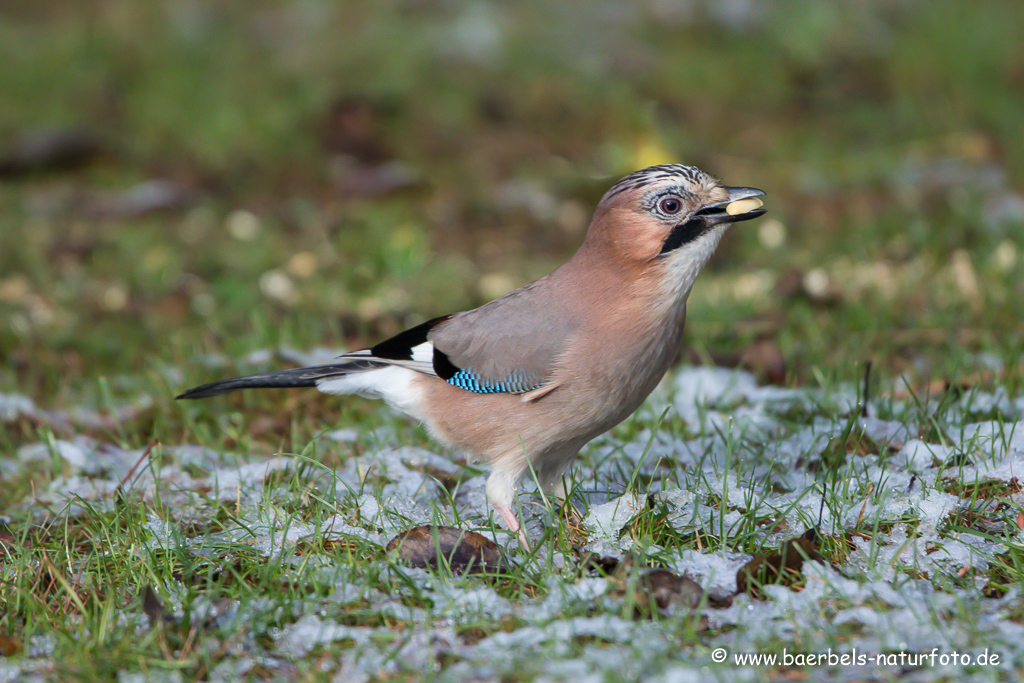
{"x":887,"y":138}
{"x":176,"y":574}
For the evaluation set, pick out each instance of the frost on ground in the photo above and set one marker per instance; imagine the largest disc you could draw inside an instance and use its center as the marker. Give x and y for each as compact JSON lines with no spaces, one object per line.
{"x":925,"y":504}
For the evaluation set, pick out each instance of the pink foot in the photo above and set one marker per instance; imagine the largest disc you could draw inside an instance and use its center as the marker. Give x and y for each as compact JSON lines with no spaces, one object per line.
{"x":513,"y":526}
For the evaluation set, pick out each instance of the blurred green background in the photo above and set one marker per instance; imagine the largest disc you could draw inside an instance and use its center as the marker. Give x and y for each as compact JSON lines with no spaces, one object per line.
{"x":180,"y":178}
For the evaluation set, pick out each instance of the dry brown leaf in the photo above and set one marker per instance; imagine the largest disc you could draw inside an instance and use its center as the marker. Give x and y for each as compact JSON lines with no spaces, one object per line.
{"x":431,"y":546}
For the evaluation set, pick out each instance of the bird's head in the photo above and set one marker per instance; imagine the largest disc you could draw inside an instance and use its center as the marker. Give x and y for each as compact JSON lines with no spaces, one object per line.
{"x":669,"y":213}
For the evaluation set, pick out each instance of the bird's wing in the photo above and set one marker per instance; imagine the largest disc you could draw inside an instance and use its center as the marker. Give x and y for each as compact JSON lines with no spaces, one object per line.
{"x":510,"y":345}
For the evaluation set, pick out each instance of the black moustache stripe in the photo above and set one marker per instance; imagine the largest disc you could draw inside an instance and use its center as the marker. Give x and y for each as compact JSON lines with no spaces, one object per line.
{"x":683,"y":234}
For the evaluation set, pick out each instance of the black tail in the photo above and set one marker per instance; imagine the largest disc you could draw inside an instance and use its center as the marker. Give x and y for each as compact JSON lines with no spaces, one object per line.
{"x":296,"y":377}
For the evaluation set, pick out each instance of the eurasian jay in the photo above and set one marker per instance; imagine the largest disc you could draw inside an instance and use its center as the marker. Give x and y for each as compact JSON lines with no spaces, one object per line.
{"x":524,"y":381}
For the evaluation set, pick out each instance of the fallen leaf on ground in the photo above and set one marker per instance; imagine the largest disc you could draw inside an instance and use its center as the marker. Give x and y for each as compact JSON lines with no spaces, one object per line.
{"x":782,"y":567}
{"x":431,"y":546}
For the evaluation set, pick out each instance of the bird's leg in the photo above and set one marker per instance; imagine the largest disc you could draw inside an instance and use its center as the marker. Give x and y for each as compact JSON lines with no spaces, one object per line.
{"x":513,"y":526}
{"x":501,"y":492}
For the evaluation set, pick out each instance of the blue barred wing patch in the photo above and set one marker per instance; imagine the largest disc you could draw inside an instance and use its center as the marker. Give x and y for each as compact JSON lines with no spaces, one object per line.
{"x":515,"y":383}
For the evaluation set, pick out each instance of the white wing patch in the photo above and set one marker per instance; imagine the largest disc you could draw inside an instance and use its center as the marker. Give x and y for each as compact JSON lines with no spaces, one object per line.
{"x":424,"y":353}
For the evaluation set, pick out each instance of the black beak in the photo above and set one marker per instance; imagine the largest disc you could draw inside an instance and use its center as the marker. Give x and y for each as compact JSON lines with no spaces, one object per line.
{"x":719,"y":213}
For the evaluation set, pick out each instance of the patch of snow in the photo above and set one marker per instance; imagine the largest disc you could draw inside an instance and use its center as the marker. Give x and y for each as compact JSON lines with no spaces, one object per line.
{"x":347,"y":435}
{"x":13,"y":406}
{"x":310,"y":631}
{"x":918,"y":456}
{"x":73,"y":454}
{"x":606,"y":521}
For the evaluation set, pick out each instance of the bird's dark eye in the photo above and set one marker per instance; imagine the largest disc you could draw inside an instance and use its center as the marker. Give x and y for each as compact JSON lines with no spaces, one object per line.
{"x":670,"y":205}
